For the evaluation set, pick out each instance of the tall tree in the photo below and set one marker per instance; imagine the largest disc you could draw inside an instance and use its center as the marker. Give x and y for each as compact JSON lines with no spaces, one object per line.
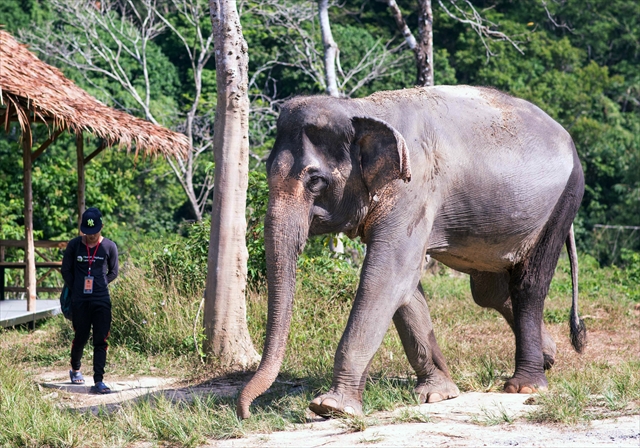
{"x":422,"y":47}
{"x":227,"y":336}
{"x":331,"y":49}
{"x":292,"y":26}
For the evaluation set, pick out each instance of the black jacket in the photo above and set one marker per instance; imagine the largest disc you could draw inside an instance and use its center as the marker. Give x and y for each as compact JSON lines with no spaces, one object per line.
{"x":104,"y":268}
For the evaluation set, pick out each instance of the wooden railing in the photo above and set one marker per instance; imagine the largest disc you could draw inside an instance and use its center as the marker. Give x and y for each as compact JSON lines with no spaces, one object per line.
{"x":42,"y":250}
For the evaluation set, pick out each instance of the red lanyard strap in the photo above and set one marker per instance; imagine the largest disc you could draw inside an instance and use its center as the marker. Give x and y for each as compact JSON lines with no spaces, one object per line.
{"x":92,"y":257}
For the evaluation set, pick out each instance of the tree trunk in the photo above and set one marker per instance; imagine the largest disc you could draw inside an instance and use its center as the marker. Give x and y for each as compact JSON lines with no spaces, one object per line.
{"x":81,"y":177}
{"x":330,"y":49}
{"x":29,"y":250}
{"x":424,"y":47}
{"x":227,"y":336}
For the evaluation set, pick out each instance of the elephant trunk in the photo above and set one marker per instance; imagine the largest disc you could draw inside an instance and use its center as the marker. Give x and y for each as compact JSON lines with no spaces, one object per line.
{"x":284,"y":239}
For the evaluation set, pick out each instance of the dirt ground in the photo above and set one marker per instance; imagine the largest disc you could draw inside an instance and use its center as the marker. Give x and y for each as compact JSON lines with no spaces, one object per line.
{"x":468,"y":420}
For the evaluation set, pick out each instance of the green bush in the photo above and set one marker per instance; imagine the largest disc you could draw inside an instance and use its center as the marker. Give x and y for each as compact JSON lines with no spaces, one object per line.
{"x":257,"y":200}
{"x":153,"y":316}
{"x":630,"y":276}
{"x":183,"y":261}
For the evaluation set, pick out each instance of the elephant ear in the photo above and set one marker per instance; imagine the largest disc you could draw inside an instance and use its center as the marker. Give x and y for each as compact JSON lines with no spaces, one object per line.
{"x":384,"y":156}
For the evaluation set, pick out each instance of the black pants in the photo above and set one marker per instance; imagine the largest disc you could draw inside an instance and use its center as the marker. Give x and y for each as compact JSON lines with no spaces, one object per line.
{"x":87,"y":314}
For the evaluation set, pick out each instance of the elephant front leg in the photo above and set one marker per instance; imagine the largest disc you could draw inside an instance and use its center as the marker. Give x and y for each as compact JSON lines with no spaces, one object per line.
{"x":387,"y":282}
{"x":364,"y":333}
{"x":414,"y":326}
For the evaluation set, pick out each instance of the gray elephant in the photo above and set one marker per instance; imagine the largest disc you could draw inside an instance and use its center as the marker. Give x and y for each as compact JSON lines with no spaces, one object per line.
{"x":483,"y":182}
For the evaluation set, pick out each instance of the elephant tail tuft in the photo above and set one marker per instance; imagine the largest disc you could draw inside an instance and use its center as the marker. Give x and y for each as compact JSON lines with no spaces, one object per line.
{"x":577,"y":327}
{"x":578,"y":333}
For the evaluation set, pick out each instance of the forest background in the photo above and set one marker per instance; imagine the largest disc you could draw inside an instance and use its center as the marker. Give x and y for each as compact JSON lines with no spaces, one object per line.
{"x":580,"y":62}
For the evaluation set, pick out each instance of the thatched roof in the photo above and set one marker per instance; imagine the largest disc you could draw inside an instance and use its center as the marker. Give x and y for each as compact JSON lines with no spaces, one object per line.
{"x":30,"y":87}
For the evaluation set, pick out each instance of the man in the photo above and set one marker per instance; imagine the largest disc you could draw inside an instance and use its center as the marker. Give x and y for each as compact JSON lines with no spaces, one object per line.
{"x":89,"y":264}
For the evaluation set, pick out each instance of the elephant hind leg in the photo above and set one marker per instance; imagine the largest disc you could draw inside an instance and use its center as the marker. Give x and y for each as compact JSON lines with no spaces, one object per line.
{"x":414,"y":326}
{"x":529,"y":283}
{"x":491,"y":290}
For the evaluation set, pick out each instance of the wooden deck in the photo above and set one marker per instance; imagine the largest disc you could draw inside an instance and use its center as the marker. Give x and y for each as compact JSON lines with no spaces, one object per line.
{"x":14,"y":312}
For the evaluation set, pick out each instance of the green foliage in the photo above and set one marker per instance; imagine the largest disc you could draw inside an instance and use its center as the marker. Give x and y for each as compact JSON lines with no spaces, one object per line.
{"x":584,"y":70}
{"x":152,"y":316}
{"x":18,"y":14}
{"x":629,"y":277}
{"x":326,"y":274}
{"x":620,"y":284}
{"x":183,"y":260}
{"x":257,"y":201}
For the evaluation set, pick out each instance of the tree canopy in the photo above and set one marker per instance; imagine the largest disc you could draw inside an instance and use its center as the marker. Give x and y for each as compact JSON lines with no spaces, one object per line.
{"x":581,"y":64}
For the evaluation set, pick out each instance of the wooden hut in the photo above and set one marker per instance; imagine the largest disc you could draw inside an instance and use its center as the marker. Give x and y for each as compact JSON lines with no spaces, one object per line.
{"x":31,"y":92}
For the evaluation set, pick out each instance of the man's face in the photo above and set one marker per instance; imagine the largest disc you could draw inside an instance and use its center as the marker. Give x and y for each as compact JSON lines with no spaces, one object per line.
{"x":92,"y":239}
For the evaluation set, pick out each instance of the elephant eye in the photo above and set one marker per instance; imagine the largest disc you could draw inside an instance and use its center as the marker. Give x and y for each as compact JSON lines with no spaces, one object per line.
{"x":316,"y":183}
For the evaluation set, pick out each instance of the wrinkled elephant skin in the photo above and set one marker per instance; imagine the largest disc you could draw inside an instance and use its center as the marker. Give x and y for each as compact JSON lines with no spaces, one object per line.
{"x":483,"y":182}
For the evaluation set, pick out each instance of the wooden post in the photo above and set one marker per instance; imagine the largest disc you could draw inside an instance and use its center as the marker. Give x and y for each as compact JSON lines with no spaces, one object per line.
{"x":29,"y":251}
{"x":80,"y":156}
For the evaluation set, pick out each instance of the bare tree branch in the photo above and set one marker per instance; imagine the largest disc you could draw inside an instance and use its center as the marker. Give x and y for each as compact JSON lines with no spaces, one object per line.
{"x":300,"y":48}
{"x":97,"y":40}
{"x":423,"y":45}
{"x":480,"y":25}
{"x":401,"y":23}
{"x":552,"y":20}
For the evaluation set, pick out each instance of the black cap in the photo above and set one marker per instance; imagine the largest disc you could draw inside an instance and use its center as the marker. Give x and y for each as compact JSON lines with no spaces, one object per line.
{"x":91,"y":221}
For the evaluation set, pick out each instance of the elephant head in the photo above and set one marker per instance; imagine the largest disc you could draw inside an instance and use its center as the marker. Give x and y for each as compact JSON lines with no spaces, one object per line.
{"x":327,"y":165}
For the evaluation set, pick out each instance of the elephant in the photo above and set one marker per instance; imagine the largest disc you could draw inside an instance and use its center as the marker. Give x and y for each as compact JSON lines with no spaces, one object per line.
{"x":486,"y":183}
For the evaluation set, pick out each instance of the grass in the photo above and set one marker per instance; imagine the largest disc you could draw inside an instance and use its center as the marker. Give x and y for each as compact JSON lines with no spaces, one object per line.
{"x":410,"y":415}
{"x":356,"y":423}
{"x":496,"y":416}
{"x":157,"y":331}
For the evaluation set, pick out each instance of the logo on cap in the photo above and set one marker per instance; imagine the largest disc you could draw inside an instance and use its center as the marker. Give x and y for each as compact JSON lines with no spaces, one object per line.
{"x":90,"y":222}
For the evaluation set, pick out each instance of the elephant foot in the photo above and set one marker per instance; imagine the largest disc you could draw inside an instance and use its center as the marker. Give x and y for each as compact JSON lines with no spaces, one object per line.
{"x":436,"y":387}
{"x":526,"y":384}
{"x":335,"y":404}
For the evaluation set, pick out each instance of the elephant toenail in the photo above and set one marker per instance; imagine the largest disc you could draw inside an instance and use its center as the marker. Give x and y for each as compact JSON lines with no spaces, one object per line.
{"x":527,"y":390}
{"x":510,"y":389}
{"x":349,"y":410}
{"x":434,"y":398}
{"x":329,"y":403}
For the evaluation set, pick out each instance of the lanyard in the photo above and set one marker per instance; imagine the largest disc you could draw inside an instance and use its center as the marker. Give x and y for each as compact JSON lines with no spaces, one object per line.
{"x":92,"y":257}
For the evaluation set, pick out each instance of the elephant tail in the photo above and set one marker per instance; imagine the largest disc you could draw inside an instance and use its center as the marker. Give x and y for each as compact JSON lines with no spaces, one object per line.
{"x":577,"y":326}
